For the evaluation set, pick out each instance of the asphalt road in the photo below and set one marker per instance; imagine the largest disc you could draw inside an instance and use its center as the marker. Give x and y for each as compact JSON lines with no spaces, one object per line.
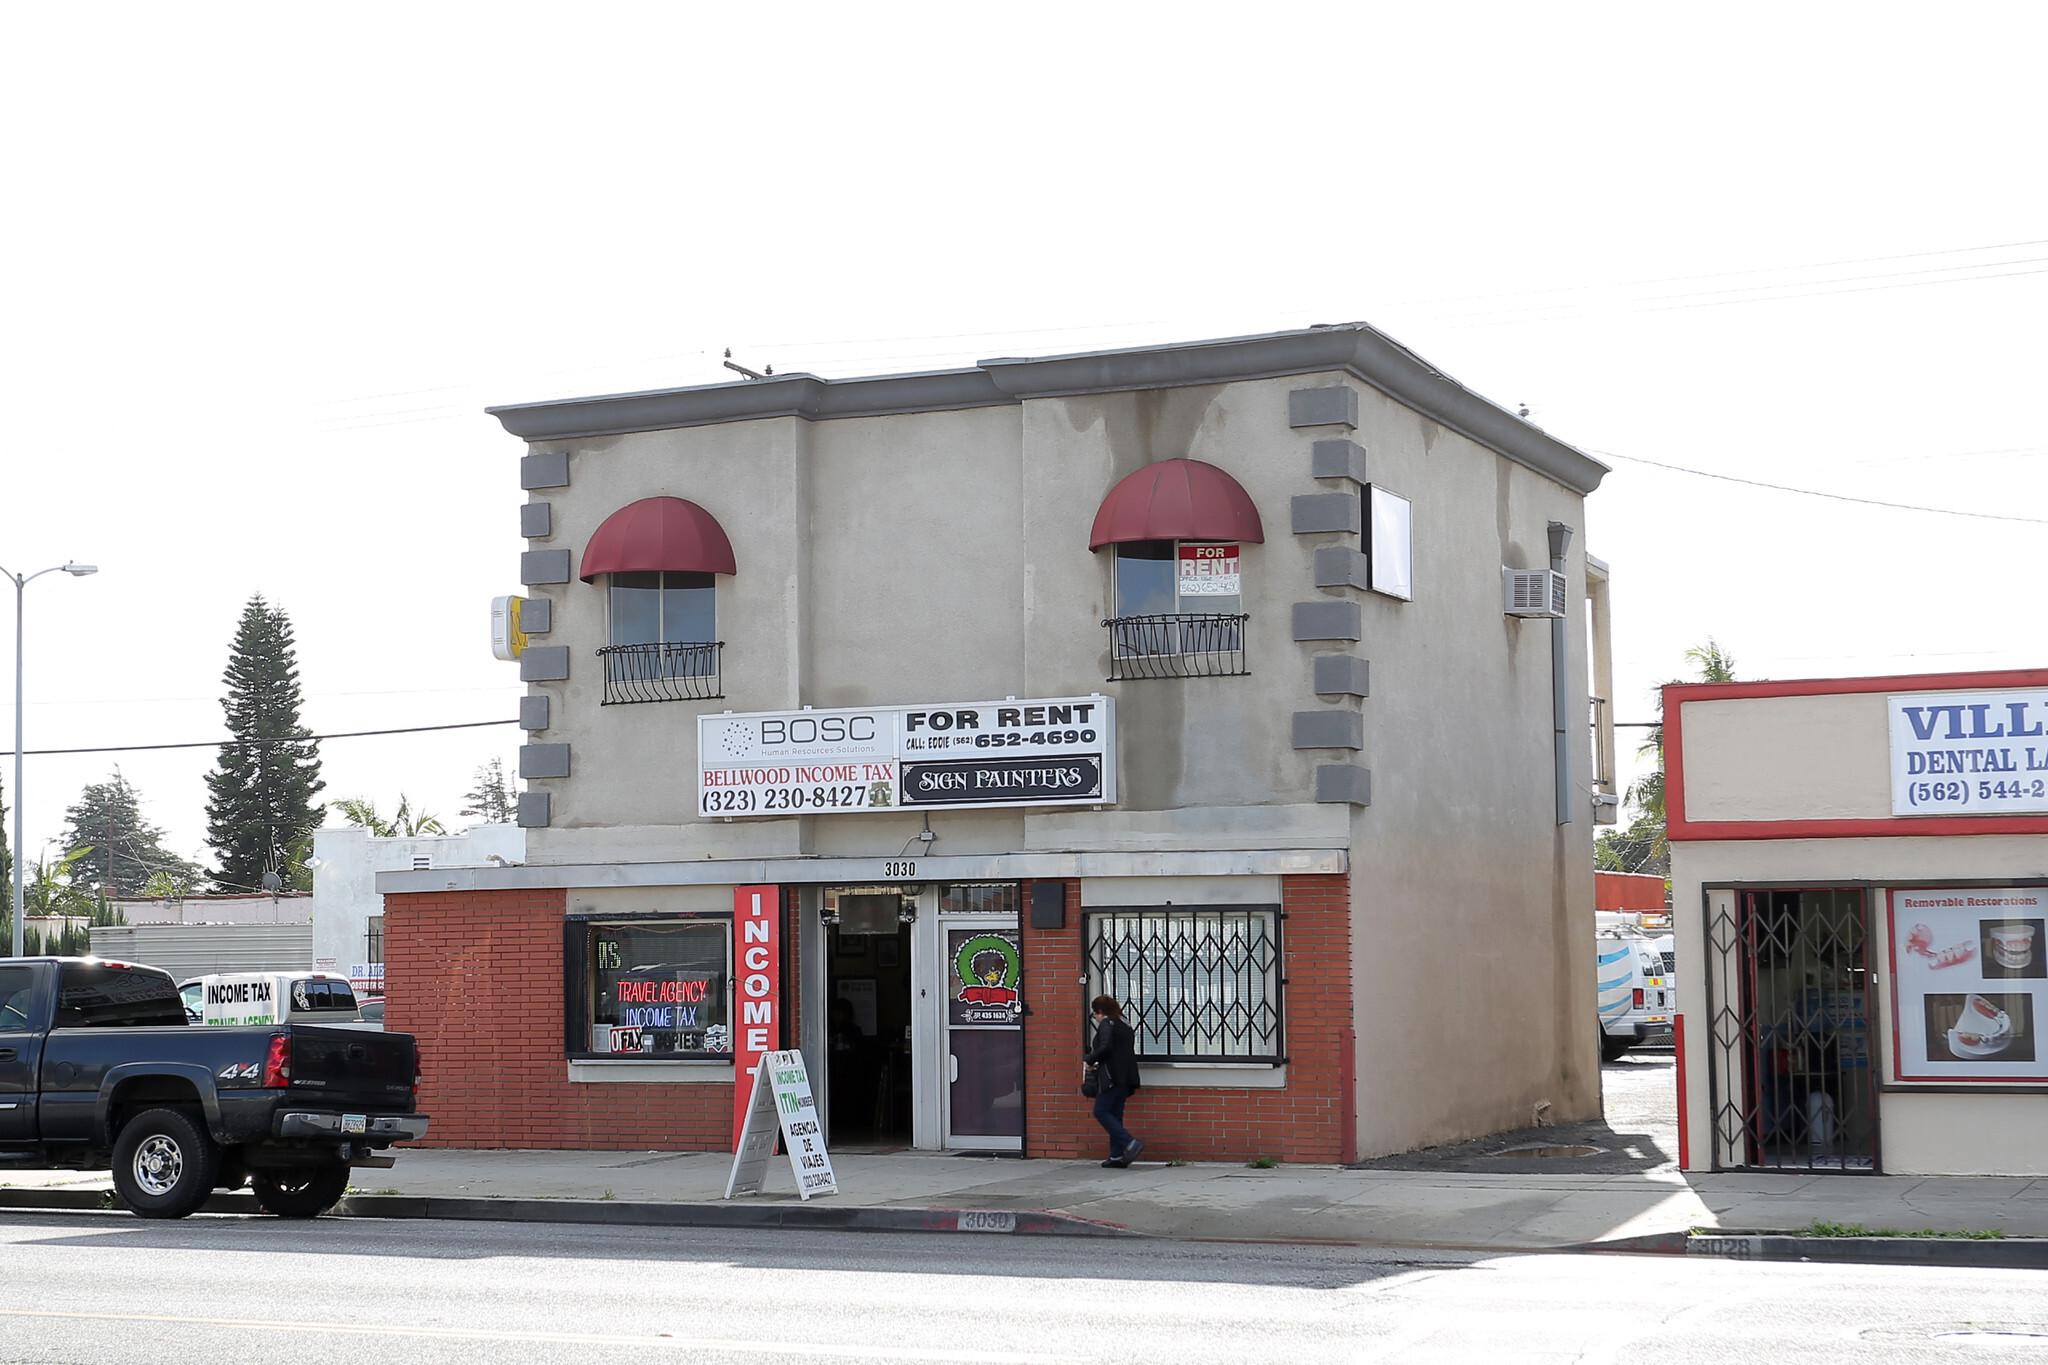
{"x":107,"y":1289}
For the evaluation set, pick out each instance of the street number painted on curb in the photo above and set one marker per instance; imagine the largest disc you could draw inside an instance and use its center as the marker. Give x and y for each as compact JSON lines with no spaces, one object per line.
{"x":972,"y":1220}
{"x":1731,"y":1248}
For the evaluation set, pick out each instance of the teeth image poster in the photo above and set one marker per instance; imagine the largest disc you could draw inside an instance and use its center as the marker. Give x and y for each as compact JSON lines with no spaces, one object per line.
{"x":1969,"y":976}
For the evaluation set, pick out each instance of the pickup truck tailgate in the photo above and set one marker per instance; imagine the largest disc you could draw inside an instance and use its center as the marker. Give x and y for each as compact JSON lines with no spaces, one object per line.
{"x":353,"y":1067}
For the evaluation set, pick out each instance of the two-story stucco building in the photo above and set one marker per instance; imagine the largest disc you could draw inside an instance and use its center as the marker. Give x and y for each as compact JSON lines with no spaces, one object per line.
{"x":895,"y":718}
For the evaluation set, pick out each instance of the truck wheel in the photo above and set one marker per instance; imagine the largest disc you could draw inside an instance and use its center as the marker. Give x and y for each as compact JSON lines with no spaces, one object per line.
{"x":165,"y":1163}
{"x":1612,"y":1047}
{"x":305,"y":1193}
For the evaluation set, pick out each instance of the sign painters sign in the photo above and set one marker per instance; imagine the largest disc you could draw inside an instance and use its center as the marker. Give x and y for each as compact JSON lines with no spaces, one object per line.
{"x":781,"y":1102}
{"x":1969,"y":753}
{"x":756,"y":914}
{"x":1060,"y":752}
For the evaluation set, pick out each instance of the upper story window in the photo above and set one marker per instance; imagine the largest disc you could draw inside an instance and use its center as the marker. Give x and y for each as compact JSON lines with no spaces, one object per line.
{"x":1178,"y":529}
{"x":659,"y":558}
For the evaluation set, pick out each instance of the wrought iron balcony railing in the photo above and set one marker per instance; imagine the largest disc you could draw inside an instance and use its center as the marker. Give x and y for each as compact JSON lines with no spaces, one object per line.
{"x":1179,"y":645}
{"x":661,"y":672}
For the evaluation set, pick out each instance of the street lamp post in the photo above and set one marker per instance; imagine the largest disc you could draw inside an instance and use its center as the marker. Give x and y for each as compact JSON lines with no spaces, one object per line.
{"x":21,"y":583}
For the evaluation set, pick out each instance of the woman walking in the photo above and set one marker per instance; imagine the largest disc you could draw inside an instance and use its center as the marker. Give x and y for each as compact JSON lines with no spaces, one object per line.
{"x":1113,"y":1057}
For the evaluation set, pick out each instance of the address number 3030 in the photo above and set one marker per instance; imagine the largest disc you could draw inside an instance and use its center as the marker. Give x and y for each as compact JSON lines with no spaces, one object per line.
{"x":899,"y":869}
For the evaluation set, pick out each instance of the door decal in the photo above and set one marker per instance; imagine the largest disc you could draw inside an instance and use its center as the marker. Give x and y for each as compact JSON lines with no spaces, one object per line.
{"x":988,"y":970}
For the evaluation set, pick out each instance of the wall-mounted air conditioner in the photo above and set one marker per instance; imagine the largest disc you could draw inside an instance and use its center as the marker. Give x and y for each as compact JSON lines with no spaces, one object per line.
{"x":1533,"y":592}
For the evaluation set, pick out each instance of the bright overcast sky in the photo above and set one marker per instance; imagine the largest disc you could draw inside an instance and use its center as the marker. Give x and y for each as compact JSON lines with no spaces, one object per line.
{"x":266,"y":265}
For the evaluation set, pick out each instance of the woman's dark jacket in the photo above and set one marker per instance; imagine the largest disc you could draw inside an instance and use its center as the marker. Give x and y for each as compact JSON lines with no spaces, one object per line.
{"x":1115,"y":1052}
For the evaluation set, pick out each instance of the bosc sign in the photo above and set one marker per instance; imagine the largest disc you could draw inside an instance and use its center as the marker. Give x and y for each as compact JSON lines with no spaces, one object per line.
{"x":1976,"y":753}
{"x":1057,"y":752}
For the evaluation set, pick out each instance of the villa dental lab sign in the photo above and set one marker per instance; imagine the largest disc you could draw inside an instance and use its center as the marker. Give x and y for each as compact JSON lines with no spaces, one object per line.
{"x":1057,"y":752}
{"x":1969,"y":753}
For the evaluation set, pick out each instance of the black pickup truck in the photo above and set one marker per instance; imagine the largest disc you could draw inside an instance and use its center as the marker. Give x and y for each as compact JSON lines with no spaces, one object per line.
{"x":99,"y":1067}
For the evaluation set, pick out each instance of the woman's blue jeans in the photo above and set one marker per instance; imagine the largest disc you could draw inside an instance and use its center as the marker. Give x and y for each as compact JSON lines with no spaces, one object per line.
{"x":1109,"y":1112}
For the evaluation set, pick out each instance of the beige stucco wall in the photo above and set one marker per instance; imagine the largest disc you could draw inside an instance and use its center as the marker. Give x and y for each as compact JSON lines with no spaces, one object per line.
{"x":1921,"y":1132}
{"x":944,"y":556}
{"x":1787,"y":758}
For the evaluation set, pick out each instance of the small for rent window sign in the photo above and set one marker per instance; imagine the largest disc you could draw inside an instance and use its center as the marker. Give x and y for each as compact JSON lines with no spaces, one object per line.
{"x":1208,"y":571}
{"x":1970,"y":753}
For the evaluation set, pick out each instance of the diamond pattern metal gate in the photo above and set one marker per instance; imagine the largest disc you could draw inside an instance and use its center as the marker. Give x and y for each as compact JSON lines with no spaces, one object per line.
{"x":1788,"y":1002}
{"x":1197,"y":985}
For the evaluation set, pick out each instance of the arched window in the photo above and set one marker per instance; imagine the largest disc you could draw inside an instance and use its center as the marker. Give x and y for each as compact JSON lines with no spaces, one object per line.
{"x":659,"y":558}
{"x":1178,"y":529}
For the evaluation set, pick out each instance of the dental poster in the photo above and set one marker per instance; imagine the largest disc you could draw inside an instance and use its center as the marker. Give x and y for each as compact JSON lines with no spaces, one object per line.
{"x":1970,"y":983}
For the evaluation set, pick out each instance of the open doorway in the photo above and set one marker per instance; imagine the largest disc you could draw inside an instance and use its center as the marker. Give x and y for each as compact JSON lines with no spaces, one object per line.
{"x":868,"y":1018}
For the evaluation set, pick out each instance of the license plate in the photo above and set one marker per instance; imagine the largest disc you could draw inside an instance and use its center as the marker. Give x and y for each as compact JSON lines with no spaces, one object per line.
{"x":355,"y":1123}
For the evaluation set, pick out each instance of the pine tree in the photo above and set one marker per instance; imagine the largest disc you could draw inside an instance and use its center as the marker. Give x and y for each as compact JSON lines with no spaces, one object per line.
{"x":121,"y":850}
{"x":262,"y":793}
{"x":492,"y":798}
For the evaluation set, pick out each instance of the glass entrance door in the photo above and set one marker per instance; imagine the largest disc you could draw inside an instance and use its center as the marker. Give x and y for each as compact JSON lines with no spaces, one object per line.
{"x":983,"y":1076}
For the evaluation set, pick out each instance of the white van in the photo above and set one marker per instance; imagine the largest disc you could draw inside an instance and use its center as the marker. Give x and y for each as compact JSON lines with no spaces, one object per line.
{"x":1637,"y":997}
{"x":269,"y":998}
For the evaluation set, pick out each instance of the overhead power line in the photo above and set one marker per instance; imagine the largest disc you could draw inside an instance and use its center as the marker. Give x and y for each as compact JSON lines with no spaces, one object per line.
{"x":1817,"y":493}
{"x":247,"y":743}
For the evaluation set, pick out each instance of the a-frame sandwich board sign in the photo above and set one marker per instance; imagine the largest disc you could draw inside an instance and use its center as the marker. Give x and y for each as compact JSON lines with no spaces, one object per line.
{"x":782,"y":1105}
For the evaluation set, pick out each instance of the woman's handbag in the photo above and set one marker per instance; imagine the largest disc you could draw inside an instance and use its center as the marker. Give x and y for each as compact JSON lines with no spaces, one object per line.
{"x":1089,"y":1084}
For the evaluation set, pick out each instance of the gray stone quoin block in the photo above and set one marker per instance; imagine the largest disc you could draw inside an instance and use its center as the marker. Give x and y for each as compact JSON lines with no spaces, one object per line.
{"x":1337,"y":460}
{"x":543,"y":760}
{"x":1314,"y":512}
{"x":1340,"y":566}
{"x":536,"y":616}
{"x":1327,"y":621}
{"x":544,"y":469}
{"x":533,"y":713}
{"x":544,"y":566}
{"x":1344,"y":782}
{"x":535,"y":810}
{"x":1342,"y":675}
{"x":1336,"y":406}
{"x":544,"y":663}
{"x":1329,"y":730}
{"x":537,"y":519}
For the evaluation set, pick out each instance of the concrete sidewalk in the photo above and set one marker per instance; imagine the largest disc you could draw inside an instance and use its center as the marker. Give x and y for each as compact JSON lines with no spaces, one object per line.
{"x":1432,"y":1209}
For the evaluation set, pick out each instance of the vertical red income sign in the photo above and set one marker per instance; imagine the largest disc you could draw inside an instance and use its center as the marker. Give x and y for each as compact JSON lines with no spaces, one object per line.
{"x":756,"y":919}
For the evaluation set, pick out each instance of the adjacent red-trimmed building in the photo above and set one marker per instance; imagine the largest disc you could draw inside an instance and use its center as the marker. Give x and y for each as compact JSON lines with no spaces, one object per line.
{"x":1859,"y":876}
{"x":1015,"y":684}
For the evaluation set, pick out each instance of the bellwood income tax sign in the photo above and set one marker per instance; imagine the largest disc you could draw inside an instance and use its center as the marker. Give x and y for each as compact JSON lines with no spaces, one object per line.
{"x":1058,"y":752}
{"x":1979,"y":753}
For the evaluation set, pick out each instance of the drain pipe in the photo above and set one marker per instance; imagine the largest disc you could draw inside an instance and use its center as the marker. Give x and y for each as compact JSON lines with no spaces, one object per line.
{"x":1560,"y":680}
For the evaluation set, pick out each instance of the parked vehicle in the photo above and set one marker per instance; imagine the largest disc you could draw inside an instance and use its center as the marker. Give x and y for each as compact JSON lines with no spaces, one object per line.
{"x":99,"y":1067}
{"x":1637,"y":997}
{"x":269,"y":998}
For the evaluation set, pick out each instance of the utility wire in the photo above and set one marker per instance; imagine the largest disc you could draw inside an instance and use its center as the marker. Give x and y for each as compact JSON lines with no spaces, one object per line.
{"x":244,"y":743}
{"x":1816,"y":493}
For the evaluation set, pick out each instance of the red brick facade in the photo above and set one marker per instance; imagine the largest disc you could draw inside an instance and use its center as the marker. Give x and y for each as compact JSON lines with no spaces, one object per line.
{"x":1307,"y":1121}
{"x":477,"y":977}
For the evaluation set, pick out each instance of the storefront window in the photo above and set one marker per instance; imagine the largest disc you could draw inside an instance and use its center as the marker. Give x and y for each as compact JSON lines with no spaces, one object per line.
{"x":651,"y":987}
{"x":1198,"y":984}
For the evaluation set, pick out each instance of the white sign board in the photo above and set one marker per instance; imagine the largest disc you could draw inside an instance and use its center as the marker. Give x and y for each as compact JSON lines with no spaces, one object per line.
{"x":1969,"y":753}
{"x":961,"y":756}
{"x":782,"y":1104}
{"x":1970,"y":983}
{"x":238,"y":999}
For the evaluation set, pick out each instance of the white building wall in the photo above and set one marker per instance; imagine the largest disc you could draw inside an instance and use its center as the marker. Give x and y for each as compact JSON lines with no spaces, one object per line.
{"x":345,"y":895}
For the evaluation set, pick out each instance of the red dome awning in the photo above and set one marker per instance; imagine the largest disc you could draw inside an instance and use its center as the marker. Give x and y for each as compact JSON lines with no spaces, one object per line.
{"x":1177,"y":500}
{"x":658,"y":533}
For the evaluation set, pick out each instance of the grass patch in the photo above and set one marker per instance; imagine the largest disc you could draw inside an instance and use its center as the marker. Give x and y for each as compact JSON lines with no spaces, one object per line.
{"x":1821,"y":1228}
{"x":1177,"y":1162}
{"x":1263,"y":1163}
{"x":607,"y":1195}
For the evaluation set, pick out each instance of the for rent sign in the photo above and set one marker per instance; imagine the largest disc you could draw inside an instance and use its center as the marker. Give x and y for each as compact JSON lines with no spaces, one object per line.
{"x":1009,"y":753}
{"x":1975,"y":753}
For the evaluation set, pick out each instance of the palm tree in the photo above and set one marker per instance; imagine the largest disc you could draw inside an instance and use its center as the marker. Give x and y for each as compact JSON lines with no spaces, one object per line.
{"x":1642,"y":847}
{"x":406,"y":824}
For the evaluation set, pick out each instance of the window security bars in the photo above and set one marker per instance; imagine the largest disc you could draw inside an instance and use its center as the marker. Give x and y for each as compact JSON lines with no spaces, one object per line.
{"x":373,"y":941}
{"x":661,"y":672}
{"x":1197,"y":985}
{"x":1176,"y":645}
{"x":1788,"y":981}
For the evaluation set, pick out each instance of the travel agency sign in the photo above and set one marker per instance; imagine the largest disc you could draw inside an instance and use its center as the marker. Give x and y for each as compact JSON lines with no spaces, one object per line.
{"x":1058,"y":752}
